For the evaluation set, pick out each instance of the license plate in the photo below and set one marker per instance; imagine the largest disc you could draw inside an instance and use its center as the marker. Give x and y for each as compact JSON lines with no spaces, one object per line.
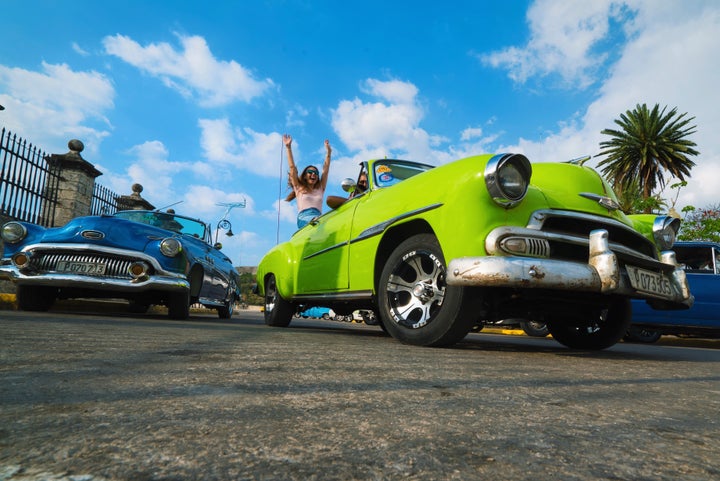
{"x":87,"y":268}
{"x":650,"y":282}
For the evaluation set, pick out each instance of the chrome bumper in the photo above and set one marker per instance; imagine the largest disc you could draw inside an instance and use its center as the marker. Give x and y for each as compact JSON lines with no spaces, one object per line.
{"x":150,"y":283}
{"x":602,"y":274}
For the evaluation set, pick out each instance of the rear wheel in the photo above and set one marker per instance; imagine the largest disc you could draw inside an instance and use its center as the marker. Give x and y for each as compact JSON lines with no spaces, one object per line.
{"x":278,"y":311}
{"x":415,"y":304}
{"x":535,"y":328}
{"x":601,"y":329}
{"x":641,"y":334}
{"x":35,"y":298}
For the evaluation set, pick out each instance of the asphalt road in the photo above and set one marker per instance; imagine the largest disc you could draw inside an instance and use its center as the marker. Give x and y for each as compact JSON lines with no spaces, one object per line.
{"x":102,"y":396}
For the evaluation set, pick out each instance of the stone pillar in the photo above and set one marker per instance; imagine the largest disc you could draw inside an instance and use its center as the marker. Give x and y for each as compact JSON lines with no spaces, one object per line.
{"x":76,"y":185}
{"x":133,"y":201}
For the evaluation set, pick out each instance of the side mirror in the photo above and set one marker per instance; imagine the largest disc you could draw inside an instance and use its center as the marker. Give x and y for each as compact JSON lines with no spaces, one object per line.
{"x":218,"y":245}
{"x":348,"y":185}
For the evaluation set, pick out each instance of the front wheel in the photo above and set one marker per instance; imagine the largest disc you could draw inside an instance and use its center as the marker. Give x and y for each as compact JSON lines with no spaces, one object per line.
{"x":178,"y":305}
{"x":35,"y":298}
{"x":415,"y":304}
{"x":278,"y":311}
{"x":226,"y":311}
{"x":599,"y":329}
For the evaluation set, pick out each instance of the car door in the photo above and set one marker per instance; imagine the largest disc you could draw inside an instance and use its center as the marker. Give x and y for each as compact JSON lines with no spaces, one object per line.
{"x":702,"y":268}
{"x":324,"y":261}
{"x":704,"y":284}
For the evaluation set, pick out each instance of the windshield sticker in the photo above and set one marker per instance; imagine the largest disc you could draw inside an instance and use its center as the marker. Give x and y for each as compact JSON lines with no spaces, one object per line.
{"x":384,"y":173}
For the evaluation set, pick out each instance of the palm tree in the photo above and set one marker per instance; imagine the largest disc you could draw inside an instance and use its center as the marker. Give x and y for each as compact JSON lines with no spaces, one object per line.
{"x":649,"y":145}
{"x":631,"y":200}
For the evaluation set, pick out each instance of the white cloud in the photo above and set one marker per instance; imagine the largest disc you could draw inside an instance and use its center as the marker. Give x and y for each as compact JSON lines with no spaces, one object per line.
{"x":389,"y":125}
{"x":150,"y":168}
{"x":668,"y":60}
{"x":192,"y":70}
{"x":295,"y":116}
{"x":79,"y":50}
{"x":471,"y":133}
{"x":240,"y":148}
{"x":563,"y":40}
{"x":203,"y":200}
{"x":57,"y":104}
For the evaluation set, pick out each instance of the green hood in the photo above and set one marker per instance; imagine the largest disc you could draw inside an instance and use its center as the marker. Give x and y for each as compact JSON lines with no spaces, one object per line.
{"x":561,"y":184}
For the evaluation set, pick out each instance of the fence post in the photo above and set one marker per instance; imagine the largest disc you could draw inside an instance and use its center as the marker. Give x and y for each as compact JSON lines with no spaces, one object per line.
{"x":134,"y":201}
{"x":76,"y":182}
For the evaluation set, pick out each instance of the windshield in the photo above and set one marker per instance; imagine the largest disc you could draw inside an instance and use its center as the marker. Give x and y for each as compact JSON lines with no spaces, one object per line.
{"x":390,"y":172}
{"x":164,"y":220}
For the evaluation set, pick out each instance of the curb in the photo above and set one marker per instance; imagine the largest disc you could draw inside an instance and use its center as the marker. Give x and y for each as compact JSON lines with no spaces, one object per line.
{"x":8,"y":302}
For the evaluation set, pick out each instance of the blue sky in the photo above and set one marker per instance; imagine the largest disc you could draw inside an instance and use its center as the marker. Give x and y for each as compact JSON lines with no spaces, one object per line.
{"x":190,"y":98}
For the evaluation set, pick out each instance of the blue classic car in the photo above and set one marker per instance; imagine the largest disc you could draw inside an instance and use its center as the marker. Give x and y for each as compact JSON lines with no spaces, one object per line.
{"x":146,"y":257}
{"x":701,"y":261}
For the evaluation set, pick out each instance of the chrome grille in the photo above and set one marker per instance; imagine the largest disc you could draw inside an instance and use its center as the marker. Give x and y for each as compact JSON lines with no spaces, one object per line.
{"x":538,"y":248}
{"x":578,"y":225}
{"x":115,"y":266}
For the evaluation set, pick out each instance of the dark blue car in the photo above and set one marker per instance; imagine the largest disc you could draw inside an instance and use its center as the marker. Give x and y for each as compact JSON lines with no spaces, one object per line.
{"x":701,"y":261}
{"x":146,"y":257}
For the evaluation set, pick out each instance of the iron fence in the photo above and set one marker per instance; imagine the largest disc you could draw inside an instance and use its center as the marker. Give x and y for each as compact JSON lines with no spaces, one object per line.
{"x":28,"y":187}
{"x":104,"y":201}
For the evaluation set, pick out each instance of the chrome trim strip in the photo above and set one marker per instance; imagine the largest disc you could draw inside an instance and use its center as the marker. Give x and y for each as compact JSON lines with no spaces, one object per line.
{"x":336,"y":297}
{"x":322,"y":251}
{"x":377,"y":229}
{"x":539,"y":216}
{"x":161,"y":283}
{"x":380,"y":228}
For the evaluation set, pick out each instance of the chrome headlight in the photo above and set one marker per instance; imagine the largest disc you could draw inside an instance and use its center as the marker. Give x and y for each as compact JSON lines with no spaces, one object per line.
{"x":170,"y":247}
{"x":13,"y":232}
{"x":665,"y":229}
{"x":507,"y":177}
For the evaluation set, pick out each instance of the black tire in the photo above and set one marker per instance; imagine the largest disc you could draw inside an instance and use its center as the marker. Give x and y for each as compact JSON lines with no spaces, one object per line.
{"x":600,"y":330}
{"x":138,"y":307}
{"x":35,"y":298}
{"x":278,"y":311}
{"x":535,"y":328}
{"x":415,"y":304}
{"x":641,"y":334}
{"x":226,"y":311}
{"x":178,"y":305}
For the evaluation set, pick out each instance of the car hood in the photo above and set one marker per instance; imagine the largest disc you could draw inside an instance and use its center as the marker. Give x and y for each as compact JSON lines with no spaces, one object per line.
{"x":105,"y":231}
{"x":562,"y":184}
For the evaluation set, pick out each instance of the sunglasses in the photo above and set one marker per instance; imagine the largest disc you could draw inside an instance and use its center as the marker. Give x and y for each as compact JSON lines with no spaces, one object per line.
{"x":312,"y":172}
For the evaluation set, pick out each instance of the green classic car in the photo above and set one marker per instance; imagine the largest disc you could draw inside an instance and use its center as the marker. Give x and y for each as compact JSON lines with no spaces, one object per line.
{"x":435,"y":251}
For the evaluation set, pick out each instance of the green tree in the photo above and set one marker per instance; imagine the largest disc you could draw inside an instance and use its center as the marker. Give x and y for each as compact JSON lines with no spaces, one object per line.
{"x":648,"y":145}
{"x":632,"y":202}
{"x":247,"y":282}
{"x":701,"y":224}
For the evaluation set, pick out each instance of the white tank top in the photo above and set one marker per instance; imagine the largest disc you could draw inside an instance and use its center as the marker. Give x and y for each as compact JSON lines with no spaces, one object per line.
{"x":306,"y":200}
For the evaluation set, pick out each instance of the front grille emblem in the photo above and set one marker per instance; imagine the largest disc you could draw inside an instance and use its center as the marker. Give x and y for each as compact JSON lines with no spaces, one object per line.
{"x":92,"y":234}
